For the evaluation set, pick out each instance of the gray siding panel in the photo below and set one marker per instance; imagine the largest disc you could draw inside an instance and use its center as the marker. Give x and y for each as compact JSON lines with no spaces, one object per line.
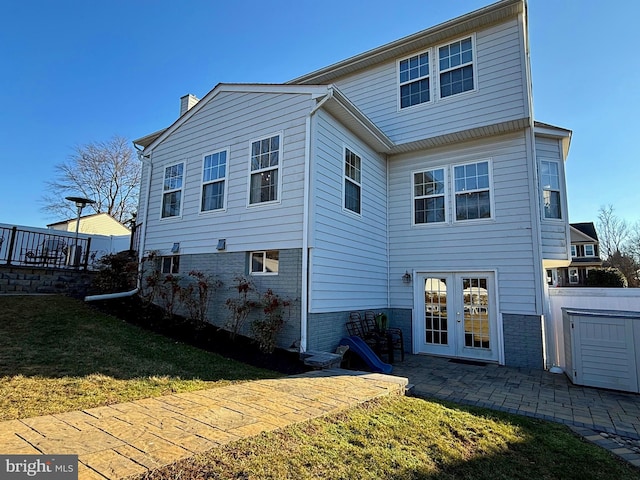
{"x":554,"y":232}
{"x":500,"y":95}
{"x":233,"y":120}
{"x":348,"y":267}
{"x":505,"y":243}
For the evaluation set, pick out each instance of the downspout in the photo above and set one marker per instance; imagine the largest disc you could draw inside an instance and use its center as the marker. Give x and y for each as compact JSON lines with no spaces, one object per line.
{"x":146,"y":161}
{"x":304,"y":303}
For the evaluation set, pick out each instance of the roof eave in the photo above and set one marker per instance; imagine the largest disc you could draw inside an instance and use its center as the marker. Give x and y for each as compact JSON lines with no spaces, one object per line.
{"x":417,"y":41}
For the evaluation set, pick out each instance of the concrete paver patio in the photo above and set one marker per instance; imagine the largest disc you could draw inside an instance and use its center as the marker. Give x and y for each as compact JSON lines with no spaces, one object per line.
{"x":530,"y":392}
{"x":130,"y":438}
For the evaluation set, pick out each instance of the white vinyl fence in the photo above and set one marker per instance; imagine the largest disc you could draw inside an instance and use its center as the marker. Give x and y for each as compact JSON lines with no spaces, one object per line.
{"x":622,"y":299}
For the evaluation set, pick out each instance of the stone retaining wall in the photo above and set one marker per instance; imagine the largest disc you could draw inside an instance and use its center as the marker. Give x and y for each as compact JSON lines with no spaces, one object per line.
{"x":44,"y":280}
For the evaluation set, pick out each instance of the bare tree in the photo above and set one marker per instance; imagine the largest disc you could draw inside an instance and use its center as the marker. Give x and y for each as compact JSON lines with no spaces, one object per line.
{"x":107,"y":172}
{"x":612,"y":231}
{"x":633,"y":244}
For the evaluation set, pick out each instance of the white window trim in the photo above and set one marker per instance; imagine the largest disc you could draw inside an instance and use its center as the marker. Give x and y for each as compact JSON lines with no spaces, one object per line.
{"x":574,"y":251}
{"x":172,"y":259}
{"x":345,"y":178}
{"x":264,"y":256}
{"x":400,"y":84}
{"x":563,"y":207}
{"x":181,"y":190}
{"x":279,"y":168}
{"x":434,"y":74}
{"x":593,"y":250}
{"x":436,"y":59}
{"x":447,"y":197}
{"x":491,"y":192}
{"x":225,"y":180}
{"x":577,"y":276}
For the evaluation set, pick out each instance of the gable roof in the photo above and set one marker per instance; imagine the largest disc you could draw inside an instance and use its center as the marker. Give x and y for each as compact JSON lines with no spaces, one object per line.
{"x":587,"y":229}
{"x":405,"y":46}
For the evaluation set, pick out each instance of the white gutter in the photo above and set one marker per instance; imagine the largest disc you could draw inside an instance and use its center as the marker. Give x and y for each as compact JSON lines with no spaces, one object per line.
{"x":304,"y":302}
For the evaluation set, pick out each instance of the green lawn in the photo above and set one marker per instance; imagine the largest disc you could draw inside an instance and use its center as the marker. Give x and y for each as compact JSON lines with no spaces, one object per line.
{"x":57,"y":354}
{"x":408,"y":438}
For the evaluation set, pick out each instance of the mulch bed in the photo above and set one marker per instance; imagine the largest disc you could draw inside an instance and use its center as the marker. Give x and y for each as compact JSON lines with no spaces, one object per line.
{"x":207,"y":337}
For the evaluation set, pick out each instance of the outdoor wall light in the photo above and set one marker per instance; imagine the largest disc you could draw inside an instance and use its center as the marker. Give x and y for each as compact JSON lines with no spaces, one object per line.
{"x":175,"y":248}
{"x":406,"y":278}
{"x":222,"y":244}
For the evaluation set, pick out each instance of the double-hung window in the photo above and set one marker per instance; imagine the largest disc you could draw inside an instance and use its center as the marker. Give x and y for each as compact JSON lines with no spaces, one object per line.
{"x":589,"y":250}
{"x":172,"y":190}
{"x":429,"y":196}
{"x":437,"y":73}
{"x":550,"y":178}
{"x":415,"y":85}
{"x":352,"y":181}
{"x":265,"y":169}
{"x":214,"y":174}
{"x":455,"y":64}
{"x":472,"y":191}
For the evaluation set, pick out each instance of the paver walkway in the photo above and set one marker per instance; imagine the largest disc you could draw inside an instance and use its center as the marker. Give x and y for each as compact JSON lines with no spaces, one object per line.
{"x":130,"y":438}
{"x":534,"y":393}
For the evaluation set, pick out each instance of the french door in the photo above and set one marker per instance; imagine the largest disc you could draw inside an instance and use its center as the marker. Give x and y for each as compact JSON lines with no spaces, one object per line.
{"x":456,"y":315}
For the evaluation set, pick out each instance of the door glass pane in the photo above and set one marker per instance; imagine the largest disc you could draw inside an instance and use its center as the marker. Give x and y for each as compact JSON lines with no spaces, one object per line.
{"x":476,"y":313}
{"x":435,"y":302}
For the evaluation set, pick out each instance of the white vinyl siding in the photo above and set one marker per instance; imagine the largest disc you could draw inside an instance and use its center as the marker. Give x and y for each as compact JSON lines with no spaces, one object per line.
{"x":501,"y":95}
{"x":229,"y":120}
{"x":348,"y":263}
{"x":504,"y":243}
{"x":554,"y":233}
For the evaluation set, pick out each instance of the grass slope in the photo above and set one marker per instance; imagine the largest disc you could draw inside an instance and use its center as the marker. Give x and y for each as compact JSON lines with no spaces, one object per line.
{"x":57,"y":355}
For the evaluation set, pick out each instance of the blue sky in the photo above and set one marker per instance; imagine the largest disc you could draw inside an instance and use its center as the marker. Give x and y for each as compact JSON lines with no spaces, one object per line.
{"x":75,"y":72}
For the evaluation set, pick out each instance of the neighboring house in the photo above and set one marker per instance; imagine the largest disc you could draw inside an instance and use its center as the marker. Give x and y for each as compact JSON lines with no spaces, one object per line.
{"x":97,"y":224}
{"x":411,"y":178}
{"x":585,"y":256}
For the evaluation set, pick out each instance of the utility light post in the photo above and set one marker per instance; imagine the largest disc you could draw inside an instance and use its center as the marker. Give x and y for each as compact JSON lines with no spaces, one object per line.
{"x":80,"y":202}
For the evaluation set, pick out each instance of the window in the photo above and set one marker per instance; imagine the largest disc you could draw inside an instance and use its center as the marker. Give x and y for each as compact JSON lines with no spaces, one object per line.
{"x":265,"y":164}
{"x":266,"y":262}
{"x":472,"y":190}
{"x":574,"y":251}
{"x":414,"y":80}
{"x":455,"y":63}
{"x":352,"y":178}
{"x":214,"y":172}
{"x":589,"y":251}
{"x":573,"y":276}
{"x":172,"y":190}
{"x":170,"y":264}
{"x":429,"y":196}
{"x":550,"y":178}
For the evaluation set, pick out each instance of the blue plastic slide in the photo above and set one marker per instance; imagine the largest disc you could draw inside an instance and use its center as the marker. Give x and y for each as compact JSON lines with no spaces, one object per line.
{"x":360,"y":348}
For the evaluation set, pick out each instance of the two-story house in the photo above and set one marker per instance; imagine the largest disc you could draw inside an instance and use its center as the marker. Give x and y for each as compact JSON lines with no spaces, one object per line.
{"x":410,"y":179}
{"x":585,"y":256}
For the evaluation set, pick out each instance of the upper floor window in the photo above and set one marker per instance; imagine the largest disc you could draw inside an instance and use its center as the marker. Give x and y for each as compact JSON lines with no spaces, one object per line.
{"x":265,"y":166}
{"x":414,"y":80}
{"x":455,"y":64}
{"x":429,"y":196}
{"x":574,"y":250}
{"x":214,"y":173}
{"x":265,"y":262}
{"x":472,"y":190}
{"x":172,"y":190}
{"x":589,"y":251}
{"x":550,"y":178}
{"x":352,"y":184}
